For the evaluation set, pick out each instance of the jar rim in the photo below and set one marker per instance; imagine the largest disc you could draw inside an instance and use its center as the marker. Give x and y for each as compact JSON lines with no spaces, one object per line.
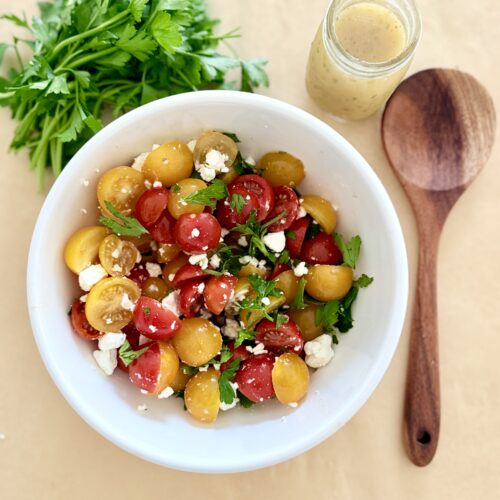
{"x":352,"y":64}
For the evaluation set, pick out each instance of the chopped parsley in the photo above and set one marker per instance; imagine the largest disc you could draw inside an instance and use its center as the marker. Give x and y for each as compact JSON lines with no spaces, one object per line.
{"x":244,"y":401}
{"x":350,"y":250}
{"x":237,"y":202}
{"x":298,"y":301}
{"x":243,"y":335}
{"x":227,"y":393}
{"x":129,"y":226}
{"x":209,"y":196}
{"x":232,"y":136}
{"x":127,"y":354}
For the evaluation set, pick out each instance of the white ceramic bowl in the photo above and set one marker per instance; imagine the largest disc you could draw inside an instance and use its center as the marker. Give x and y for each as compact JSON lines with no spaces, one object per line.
{"x":240,"y":439}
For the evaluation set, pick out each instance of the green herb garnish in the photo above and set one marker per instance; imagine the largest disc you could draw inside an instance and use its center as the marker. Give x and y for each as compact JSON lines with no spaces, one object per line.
{"x":237,"y":202}
{"x":108,"y":54}
{"x":298,"y":301}
{"x":232,"y":136}
{"x":127,"y":354}
{"x":291,"y":235}
{"x":189,"y":370}
{"x":209,"y":196}
{"x":243,"y":335}
{"x":350,"y":250}
{"x":129,"y":226}
{"x":227,"y":393}
{"x":244,"y":401}
{"x":175,"y":188}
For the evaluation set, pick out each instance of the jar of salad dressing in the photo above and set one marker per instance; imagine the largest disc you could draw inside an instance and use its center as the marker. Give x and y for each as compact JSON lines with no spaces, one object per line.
{"x":361,"y":52}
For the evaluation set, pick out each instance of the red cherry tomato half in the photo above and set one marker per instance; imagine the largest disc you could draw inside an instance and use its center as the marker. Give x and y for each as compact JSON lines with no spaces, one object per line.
{"x":145,"y":370}
{"x":218,"y":291}
{"x":191,"y":297}
{"x":197,"y":233}
{"x":188,"y":272}
{"x":229,"y":216}
{"x":151,"y":205}
{"x":321,"y":250}
{"x":80,"y":324}
{"x":295,"y":237}
{"x":254,"y":378}
{"x":285,"y":200}
{"x":153,"y":321}
{"x":239,"y":352}
{"x":277,"y":340}
{"x":278,"y":269}
{"x":139,"y":274}
{"x":257,"y":185}
{"x":163,"y":229}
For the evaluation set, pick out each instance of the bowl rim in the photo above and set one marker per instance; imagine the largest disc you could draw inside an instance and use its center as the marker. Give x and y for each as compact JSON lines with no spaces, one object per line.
{"x":363,"y":392}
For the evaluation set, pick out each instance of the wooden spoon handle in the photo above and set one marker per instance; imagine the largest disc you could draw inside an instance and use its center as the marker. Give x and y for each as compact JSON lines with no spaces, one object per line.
{"x":422,"y":401}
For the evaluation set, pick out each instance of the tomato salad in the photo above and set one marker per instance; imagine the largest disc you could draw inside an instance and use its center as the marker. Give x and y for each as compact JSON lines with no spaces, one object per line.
{"x":209,"y":276}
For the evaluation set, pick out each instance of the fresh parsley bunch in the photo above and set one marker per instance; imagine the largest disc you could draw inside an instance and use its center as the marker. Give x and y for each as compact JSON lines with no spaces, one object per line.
{"x":108,"y":53}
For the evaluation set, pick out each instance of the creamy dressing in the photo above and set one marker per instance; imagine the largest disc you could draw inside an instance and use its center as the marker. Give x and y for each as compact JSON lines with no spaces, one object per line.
{"x":370,"y":33}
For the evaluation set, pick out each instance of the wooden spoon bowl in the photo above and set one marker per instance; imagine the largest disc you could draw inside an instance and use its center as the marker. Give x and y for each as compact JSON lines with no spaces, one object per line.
{"x":438,"y":129}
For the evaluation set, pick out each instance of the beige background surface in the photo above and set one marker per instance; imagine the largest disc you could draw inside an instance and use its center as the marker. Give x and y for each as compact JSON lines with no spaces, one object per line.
{"x":50,"y":453}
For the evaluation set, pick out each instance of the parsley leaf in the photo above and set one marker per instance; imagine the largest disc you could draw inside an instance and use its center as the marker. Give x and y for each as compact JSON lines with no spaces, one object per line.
{"x":127,"y":354}
{"x":298,"y":301}
{"x":227,"y":393}
{"x":350,"y":250}
{"x":291,"y":235}
{"x":175,"y":188}
{"x":232,"y":136}
{"x":244,"y":401}
{"x":312,"y":231}
{"x":243,"y":167}
{"x":208,"y":196}
{"x":243,"y":335}
{"x":280,"y":319}
{"x":363,"y":281}
{"x":189,"y":370}
{"x":237,"y":202}
{"x":130,"y":226}
{"x":284,"y":257}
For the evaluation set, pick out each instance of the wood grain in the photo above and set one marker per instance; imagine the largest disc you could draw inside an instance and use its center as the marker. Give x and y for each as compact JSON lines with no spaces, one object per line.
{"x":438,"y":129}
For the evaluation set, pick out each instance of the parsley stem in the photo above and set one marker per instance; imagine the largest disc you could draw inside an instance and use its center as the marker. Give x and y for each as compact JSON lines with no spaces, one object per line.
{"x":91,"y":57}
{"x":86,"y":34}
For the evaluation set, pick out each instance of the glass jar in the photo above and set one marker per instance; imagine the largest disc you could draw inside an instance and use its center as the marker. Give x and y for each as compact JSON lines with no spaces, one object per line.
{"x":361,"y":52}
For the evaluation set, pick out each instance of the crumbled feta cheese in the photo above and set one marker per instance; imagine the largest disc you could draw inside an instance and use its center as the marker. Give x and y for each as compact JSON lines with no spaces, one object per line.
{"x":139,"y":161}
{"x":155,"y":146}
{"x":191,"y":144}
{"x":157,"y":184}
{"x":90,"y":276}
{"x":319,"y":352}
{"x":315,"y":222}
{"x":258,"y":349}
{"x":293,"y":405}
{"x":152,"y":328}
{"x":302,"y":213}
{"x":171,"y":302}
{"x":228,"y":406}
{"x":242,"y":241}
{"x":111,"y":340}
{"x":300,"y":269}
{"x":203,"y":368}
{"x":215,"y":163}
{"x":224,"y":232}
{"x":195,"y":232}
{"x":148,"y":184}
{"x":200,"y":259}
{"x":106,"y":360}
{"x":126,"y":303}
{"x":275,"y":241}
{"x":117,"y":268}
{"x":231,"y":328}
{"x":201,"y":287}
{"x":171,"y":277}
{"x":215,"y":261}
{"x":115,"y":253}
{"x":84,"y":298}
{"x":216,"y":366}
{"x":153,"y":269}
{"x":247,"y":259}
{"x":250,"y":161}
{"x":266,"y":301}
{"x":142,"y":408}
{"x":166,"y":393}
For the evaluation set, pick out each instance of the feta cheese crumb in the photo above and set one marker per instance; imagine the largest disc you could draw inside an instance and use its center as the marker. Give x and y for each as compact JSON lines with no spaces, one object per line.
{"x":231,"y":328}
{"x":139,"y":161}
{"x":152,"y":328}
{"x":300,"y":269}
{"x":250,"y":161}
{"x":111,"y":340}
{"x":148,"y":184}
{"x":117,"y":268}
{"x":157,"y":184}
{"x":247,"y":259}
{"x":266,"y":301}
{"x":155,"y":146}
{"x":258,"y":349}
{"x":142,"y":408}
{"x":319,"y":352}
{"x":115,"y":253}
{"x":302,"y":212}
{"x":215,"y":261}
{"x":215,"y":163}
{"x":166,"y":393}
{"x":275,"y":241}
{"x":195,"y":232}
{"x":153,"y":269}
{"x":203,"y":368}
{"x":84,"y":298}
{"x":200,"y":259}
{"x":171,"y":302}
{"x":106,"y":360}
{"x":126,"y":303}
{"x":90,"y":276}
{"x":224,"y":232}
{"x":191,"y":144}
{"x":242,"y":241}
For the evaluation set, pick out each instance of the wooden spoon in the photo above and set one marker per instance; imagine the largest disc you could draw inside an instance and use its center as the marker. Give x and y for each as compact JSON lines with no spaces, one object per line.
{"x":438,"y":129}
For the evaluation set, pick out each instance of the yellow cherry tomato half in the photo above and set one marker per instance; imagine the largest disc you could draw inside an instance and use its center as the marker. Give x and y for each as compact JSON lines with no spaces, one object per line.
{"x":82,"y":249}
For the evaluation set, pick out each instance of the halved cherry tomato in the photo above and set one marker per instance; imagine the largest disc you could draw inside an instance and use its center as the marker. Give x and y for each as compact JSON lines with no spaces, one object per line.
{"x":278,"y":269}
{"x":151,"y":205}
{"x":254,"y":378}
{"x":229,"y":216}
{"x":277,"y":340}
{"x":191,"y":297}
{"x":153,"y":321}
{"x":163,"y":229}
{"x":139,"y":274}
{"x":188,"y":272}
{"x":80,"y":324}
{"x":285,"y":200}
{"x":197,"y":233}
{"x":258,"y":186}
{"x":295,"y":238}
{"x":239,"y":352}
{"x":218,"y":291}
{"x":321,"y":250}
